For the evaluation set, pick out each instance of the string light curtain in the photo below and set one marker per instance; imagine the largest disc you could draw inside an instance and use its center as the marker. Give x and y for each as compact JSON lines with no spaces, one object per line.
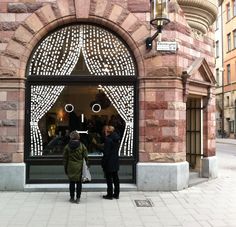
{"x":58,"y":54}
{"x":122,"y":98}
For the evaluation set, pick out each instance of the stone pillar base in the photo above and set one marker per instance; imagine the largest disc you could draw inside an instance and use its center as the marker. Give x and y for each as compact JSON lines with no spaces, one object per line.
{"x":209,"y":167}
{"x":162,"y":176}
{"x":12,"y":176}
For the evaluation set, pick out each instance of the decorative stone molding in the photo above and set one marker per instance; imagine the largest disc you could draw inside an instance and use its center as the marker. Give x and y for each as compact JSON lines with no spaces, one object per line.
{"x":200,"y":14}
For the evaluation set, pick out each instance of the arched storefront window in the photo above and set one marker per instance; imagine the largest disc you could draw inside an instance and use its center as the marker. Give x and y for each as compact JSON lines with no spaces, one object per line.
{"x":80,"y":77}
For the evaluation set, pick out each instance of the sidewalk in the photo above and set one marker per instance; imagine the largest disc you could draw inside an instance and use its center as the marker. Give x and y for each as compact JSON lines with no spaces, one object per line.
{"x":211,"y":204}
{"x":226,"y":141}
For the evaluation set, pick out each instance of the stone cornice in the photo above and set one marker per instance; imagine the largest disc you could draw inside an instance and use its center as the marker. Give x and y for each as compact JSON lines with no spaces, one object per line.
{"x":200,"y":14}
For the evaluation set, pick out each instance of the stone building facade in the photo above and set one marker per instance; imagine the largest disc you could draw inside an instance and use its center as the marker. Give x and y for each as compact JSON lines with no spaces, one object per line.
{"x":225,"y":70}
{"x":174,"y":123}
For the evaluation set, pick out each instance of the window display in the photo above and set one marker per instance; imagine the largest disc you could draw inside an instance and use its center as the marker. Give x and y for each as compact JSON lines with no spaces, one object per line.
{"x":80,"y":77}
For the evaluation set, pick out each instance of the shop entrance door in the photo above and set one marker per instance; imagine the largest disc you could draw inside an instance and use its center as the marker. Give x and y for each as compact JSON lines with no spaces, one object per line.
{"x":194,"y":133}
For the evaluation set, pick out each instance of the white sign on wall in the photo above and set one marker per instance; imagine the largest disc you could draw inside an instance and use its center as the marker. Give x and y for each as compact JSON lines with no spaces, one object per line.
{"x":167,"y":46}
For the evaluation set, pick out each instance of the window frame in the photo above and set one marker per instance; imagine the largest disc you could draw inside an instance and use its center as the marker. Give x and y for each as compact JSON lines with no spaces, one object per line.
{"x":228,"y":14}
{"x":228,"y":74}
{"x":58,"y":159}
{"x":217,"y":48}
{"x":234,"y":7}
{"x":234,"y":38}
{"x":229,"y":42}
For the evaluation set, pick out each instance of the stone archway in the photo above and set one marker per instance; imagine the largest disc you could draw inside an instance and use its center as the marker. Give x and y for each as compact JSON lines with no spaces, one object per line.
{"x":49,"y":17}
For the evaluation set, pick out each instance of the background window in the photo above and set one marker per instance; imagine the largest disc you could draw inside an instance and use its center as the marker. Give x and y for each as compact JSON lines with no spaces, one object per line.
{"x":228,"y":74}
{"x":234,"y":8}
{"x":227,"y":101}
{"x":217,"y":48}
{"x":217,"y":77}
{"x":217,"y":23}
{"x":234,"y":37}
{"x":231,"y":126}
{"x":229,"y":42}
{"x":228,"y":11}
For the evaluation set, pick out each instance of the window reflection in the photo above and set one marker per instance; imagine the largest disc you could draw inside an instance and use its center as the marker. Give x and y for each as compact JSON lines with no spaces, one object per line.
{"x":75,"y":110}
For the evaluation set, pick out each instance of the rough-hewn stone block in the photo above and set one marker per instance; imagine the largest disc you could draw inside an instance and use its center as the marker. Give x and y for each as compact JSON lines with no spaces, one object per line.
{"x":5,"y":157}
{"x":46,"y":14}
{"x":11,"y":123}
{"x":138,"y":5}
{"x":8,"y":139}
{"x":129,"y":22}
{"x":82,"y":8}
{"x":115,"y":13}
{"x":3,"y":96}
{"x":26,"y":7}
{"x":140,"y":33}
{"x":64,"y":7}
{"x":100,"y":7}
{"x":23,"y":35}
{"x":7,"y":17}
{"x":9,"y":26}
{"x":168,"y":157}
{"x":3,"y":7}
{"x":8,"y":106}
{"x":34,"y":23}
{"x":17,"y":157}
{"x":16,"y":49}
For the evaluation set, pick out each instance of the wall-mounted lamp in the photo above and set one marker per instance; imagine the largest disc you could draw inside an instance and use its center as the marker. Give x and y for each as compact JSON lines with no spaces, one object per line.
{"x":159,"y":18}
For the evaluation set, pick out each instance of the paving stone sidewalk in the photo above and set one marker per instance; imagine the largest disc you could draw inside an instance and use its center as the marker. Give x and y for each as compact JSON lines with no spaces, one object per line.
{"x":211,"y":204}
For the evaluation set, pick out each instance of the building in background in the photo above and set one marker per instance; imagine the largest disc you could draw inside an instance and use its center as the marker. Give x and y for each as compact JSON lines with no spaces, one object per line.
{"x":79,"y":65}
{"x":226,"y":66}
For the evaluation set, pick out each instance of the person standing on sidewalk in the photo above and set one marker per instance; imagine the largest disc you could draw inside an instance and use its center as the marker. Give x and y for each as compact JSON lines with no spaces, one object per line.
{"x":110,"y":162}
{"x":74,"y":153}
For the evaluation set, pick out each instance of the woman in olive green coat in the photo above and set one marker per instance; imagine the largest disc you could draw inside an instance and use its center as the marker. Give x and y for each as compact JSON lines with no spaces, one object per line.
{"x":74,"y":153}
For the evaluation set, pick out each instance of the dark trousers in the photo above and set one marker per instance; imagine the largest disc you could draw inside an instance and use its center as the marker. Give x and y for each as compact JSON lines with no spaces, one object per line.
{"x":112,"y":178}
{"x":78,"y":189}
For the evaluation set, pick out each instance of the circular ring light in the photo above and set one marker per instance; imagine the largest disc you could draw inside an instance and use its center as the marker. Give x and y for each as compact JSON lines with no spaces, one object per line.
{"x":96,"y":108}
{"x":69,"y":108}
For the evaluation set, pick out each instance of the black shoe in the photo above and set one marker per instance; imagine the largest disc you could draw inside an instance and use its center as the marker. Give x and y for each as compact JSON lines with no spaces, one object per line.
{"x":115,"y":196}
{"x":77,"y":200}
{"x":107,"y":197}
{"x":72,"y":200}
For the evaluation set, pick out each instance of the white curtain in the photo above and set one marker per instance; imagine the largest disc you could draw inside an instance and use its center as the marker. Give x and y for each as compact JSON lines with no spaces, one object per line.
{"x":122,"y":98}
{"x":57,"y":55}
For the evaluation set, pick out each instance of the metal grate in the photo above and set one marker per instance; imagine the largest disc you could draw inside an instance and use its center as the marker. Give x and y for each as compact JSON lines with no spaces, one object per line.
{"x":143,"y":203}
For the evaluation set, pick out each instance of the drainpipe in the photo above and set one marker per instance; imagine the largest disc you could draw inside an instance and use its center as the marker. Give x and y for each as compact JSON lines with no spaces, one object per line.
{"x":222,"y":52}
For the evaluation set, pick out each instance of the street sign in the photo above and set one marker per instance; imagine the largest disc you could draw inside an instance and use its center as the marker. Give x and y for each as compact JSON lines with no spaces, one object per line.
{"x":167,"y":46}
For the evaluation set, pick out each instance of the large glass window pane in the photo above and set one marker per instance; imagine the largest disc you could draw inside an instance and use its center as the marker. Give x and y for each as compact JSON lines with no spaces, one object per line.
{"x":86,"y":109}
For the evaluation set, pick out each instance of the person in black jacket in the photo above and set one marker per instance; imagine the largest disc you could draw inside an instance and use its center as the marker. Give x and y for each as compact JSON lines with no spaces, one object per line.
{"x":110,"y":162}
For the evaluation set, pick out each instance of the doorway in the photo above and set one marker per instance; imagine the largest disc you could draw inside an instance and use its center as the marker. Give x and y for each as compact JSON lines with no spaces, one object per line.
{"x":194,"y":152}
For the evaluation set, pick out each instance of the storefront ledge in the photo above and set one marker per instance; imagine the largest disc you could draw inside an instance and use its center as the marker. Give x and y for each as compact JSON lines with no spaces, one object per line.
{"x":210,"y":167}
{"x":162,"y":176}
{"x":89,"y":187}
{"x":12,"y":176}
